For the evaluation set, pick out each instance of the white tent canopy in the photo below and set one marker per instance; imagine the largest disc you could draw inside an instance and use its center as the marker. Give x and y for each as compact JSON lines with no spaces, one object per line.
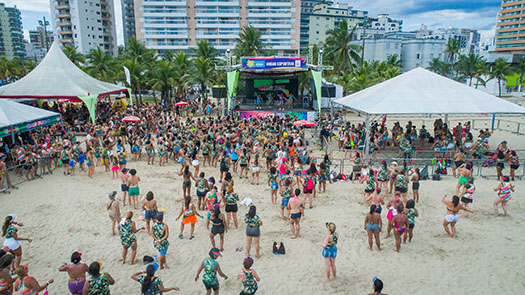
{"x":20,"y":116}
{"x":420,"y":91}
{"x":57,"y":77}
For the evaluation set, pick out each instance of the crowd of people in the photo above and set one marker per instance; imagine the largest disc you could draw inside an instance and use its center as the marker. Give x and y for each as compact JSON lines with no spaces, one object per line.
{"x":239,"y":148}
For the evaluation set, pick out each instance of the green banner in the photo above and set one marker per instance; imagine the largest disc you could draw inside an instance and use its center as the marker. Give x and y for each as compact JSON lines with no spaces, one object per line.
{"x":232,"y":80}
{"x":90,"y":102}
{"x":130,"y":96}
{"x":318,"y":82}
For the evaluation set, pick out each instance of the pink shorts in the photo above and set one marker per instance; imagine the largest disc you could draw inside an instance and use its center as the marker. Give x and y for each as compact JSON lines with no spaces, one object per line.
{"x":115,"y":168}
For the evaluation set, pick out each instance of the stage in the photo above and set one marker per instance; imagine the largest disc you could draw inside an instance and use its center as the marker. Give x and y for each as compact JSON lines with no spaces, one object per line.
{"x":246,"y":111}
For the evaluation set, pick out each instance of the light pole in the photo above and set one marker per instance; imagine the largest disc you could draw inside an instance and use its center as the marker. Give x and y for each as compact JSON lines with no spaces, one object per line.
{"x":365,"y":21}
{"x":44,"y":23}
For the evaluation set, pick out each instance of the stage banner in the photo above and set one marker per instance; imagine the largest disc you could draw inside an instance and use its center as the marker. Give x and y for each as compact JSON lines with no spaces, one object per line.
{"x":90,"y":102}
{"x":232,"y":79}
{"x":318,"y":81}
{"x":262,"y":63}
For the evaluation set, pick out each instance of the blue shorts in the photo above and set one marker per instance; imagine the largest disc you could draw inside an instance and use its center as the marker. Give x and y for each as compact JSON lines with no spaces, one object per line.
{"x":163,"y":252}
{"x":123,"y":162}
{"x":71,"y":163}
{"x":284,"y":202}
{"x":124,"y":188}
{"x":274,"y":185}
{"x":330,"y":252}
{"x":150,"y":214}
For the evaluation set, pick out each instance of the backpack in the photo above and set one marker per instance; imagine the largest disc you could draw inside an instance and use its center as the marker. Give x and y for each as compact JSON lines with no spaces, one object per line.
{"x":309,"y":184}
{"x":278,"y":248}
{"x":149,"y":291}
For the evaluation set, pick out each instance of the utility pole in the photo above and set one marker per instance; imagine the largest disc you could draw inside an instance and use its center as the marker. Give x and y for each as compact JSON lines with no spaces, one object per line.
{"x":365,"y":20}
{"x":44,"y":23}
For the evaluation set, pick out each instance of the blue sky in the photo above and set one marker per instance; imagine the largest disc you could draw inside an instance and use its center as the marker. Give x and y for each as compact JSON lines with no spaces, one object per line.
{"x":474,"y":14}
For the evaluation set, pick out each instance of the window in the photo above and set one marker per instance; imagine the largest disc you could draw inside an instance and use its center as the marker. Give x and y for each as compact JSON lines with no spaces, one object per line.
{"x":317,"y":32}
{"x":418,"y":56}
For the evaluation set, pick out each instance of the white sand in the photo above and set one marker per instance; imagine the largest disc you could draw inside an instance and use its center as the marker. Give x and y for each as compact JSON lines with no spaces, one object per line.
{"x":65,"y":214}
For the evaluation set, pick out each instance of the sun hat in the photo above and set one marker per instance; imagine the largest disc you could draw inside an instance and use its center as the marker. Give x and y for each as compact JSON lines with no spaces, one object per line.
{"x":112,"y":195}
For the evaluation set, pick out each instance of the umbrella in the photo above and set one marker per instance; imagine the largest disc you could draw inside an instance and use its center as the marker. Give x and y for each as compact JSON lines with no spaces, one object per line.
{"x":182,"y":103}
{"x":304,"y":123}
{"x":130,"y":119}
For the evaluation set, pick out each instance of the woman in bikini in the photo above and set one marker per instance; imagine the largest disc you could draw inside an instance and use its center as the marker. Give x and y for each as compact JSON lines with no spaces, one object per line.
{"x":25,"y":284}
{"x":504,"y":190}
{"x":392,"y":211}
{"x":189,"y":214}
{"x":373,"y":225}
{"x":393,"y":171}
{"x":186,"y":183}
{"x":113,"y":208}
{"x":400,"y":225}
{"x":330,"y":251}
{"x":452,"y":216}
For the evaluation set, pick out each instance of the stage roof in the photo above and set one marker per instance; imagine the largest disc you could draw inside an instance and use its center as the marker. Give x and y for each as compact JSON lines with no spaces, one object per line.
{"x":20,"y":116}
{"x":57,"y":77}
{"x":420,"y":91}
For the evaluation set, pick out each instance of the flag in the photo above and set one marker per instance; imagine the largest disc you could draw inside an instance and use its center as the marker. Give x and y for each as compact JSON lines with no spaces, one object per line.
{"x":128,"y":76}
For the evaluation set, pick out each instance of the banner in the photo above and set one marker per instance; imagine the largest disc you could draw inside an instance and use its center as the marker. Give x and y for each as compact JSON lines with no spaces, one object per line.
{"x":128,"y":76}
{"x":30,"y":126}
{"x":90,"y":102}
{"x":296,"y":63}
{"x":232,"y":79}
{"x":318,"y":82}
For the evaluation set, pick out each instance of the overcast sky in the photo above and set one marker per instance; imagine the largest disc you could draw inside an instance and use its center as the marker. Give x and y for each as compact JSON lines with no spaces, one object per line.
{"x":475,"y":14}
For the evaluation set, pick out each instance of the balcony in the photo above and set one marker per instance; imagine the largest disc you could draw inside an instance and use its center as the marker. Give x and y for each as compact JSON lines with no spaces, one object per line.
{"x":65,"y":32}
{"x":63,"y":6}
{"x":104,"y":2}
{"x":65,"y":40}
{"x":67,"y":23}
{"x":64,"y":15}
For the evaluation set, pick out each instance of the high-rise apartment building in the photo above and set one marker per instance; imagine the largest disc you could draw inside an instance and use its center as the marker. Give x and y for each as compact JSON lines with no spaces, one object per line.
{"x":180,"y":24}
{"x":326,"y":17}
{"x":40,"y":38}
{"x":85,"y":24}
{"x":307,"y":8}
{"x":510,"y":32}
{"x":128,"y":19}
{"x":11,"y":34}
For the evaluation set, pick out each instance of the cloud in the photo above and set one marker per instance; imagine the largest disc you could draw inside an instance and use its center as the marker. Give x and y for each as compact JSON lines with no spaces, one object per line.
{"x":31,"y":5}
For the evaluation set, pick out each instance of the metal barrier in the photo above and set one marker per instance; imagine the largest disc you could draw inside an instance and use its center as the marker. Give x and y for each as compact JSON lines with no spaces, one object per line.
{"x":499,"y":124}
{"x":13,"y":176}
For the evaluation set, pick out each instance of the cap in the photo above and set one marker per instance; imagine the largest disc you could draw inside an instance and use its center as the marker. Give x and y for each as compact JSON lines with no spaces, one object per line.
{"x":215,"y":251}
{"x":394,"y":163}
{"x":13,"y":216}
{"x":112,"y":194}
{"x":155,"y":265}
{"x":76,"y":255}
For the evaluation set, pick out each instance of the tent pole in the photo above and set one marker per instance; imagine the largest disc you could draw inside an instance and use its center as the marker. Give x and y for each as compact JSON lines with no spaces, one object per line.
{"x":493,"y":121}
{"x":446,"y":119}
{"x":367,"y":139}
{"x":13,"y":135}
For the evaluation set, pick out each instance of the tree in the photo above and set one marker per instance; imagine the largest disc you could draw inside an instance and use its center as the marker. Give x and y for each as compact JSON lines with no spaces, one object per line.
{"x":76,"y":57}
{"x":136,"y":72}
{"x":439,"y":67}
{"x":249,"y":42}
{"x":206,"y":50}
{"x":520,"y":69}
{"x":162,"y":78}
{"x":500,"y":70}
{"x":468,"y":65}
{"x":201,"y":73}
{"x":339,"y":52}
{"x":452,"y":49}
{"x":181,"y":63}
{"x":101,"y":65}
{"x":394,"y":60}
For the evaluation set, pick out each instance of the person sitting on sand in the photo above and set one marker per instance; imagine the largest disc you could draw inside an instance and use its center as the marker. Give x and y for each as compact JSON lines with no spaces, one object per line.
{"x":189,"y":214}
{"x":504,"y":190}
{"x":151,"y":284}
{"x":113,"y":208}
{"x":150,"y":207}
{"x":77,"y":273}
{"x":249,"y":277}
{"x":133,"y":185}
{"x":452,"y":214}
{"x":211,"y":268}
{"x":127,"y":237}
{"x":253,"y":230}
{"x":97,"y":284}
{"x":25,"y":284}
{"x":330,"y":250}
{"x":296,"y":210}
{"x":373,"y":225}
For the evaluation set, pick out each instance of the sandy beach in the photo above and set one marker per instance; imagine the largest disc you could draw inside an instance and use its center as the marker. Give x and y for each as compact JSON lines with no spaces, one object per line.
{"x":65,"y":214}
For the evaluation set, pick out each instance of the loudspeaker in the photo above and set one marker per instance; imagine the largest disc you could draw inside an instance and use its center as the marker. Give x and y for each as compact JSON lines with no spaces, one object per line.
{"x":328,"y":91}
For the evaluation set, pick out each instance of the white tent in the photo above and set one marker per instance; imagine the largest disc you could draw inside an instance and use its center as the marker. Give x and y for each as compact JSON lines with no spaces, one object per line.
{"x":16,"y":117}
{"x":420,"y":91}
{"x":57,"y":77}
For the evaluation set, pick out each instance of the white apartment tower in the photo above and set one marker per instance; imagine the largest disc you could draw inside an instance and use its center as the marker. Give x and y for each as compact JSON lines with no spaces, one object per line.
{"x":180,"y":24}
{"x":85,"y":24}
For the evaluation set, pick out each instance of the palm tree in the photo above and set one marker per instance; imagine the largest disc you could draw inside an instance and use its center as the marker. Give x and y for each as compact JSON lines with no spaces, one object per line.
{"x":206,"y":50}
{"x":101,"y":65}
{"x":201,"y":73}
{"x":136,"y":72}
{"x":339,"y":52}
{"x":76,"y":57}
{"x":181,"y":63}
{"x":520,"y":68}
{"x":468,"y":65}
{"x":394,"y":60}
{"x":249,"y":42}
{"x":439,"y":67}
{"x":345,"y":80}
{"x":500,"y":70}
{"x":452,"y":49}
{"x":162,"y":78}
{"x":11,"y":69}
